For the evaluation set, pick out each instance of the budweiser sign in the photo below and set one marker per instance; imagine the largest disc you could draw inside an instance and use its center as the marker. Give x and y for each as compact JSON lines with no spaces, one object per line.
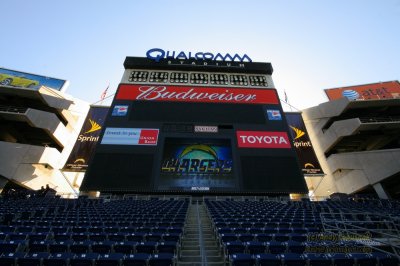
{"x":263,"y":139}
{"x":196,"y":94}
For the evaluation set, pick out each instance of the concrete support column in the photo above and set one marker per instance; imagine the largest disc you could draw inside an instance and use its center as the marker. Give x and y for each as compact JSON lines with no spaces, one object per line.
{"x":380,"y":191}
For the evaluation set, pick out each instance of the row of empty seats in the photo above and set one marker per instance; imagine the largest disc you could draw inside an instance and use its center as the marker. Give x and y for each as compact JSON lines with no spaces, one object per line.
{"x":257,"y":232}
{"x":55,"y":231}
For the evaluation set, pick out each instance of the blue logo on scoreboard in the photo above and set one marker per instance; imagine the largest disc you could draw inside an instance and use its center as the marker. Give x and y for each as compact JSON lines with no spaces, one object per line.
{"x":274,"y":115}
{"x":120,"y":110}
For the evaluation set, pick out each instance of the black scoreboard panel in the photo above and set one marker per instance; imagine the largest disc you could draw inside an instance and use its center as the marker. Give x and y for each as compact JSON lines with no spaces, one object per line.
{"x":204,"y":138}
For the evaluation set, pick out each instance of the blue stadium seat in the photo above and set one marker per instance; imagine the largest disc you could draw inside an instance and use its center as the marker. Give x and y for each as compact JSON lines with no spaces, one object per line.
{"x":255,"y":247}
{"x":264,"y":237}
{"x":267,"y":259}
{"x":154,"y":237}
{"x":58,"y":259}
{"x":17,"y":236}
{"x":137,"y":259}
{"x":9,"y":259}
{"x":276,"y":247}
{"x":341,"y":259}
{"x":117,"y":237}
{"x":295,"y":247}
{"x":146,"y":247}
{"x":293,"y":259}
{"x":60,"y":246}
{"x":125,"y":247}
{"x":80,"y":247}
{"x":96,"y":229}
{"x":242,"y":259}
{"x":138,"y":237}
{"x":112,"y":259}
{"x":9,"y":246}
{"x":298,"y":237}
{"x":79,"y":229}
{"x":363,"y":259}
{"x":385,"y":259}
{"x":246,"y":237}
{"x":172,"y":237}
{"x":167,"y":247}
{"x":281,"y":237}
{"x":39,"y":246}
{"x":103,"y":247}
{"x":78,"y":237}
{"x":317,"y":259}
{"x":161,"y":259}
{"x":97,"y":237}
{"x":234,"y":247}
{"x":62,"y":236}
{"x":33,"y":259}
{"x":38,"y":236}
{"x":229,"y":237}
{"x":85,"y":259}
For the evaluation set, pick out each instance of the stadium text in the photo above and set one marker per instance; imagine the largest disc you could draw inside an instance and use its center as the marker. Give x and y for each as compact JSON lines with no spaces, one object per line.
{"x":157,"y":54}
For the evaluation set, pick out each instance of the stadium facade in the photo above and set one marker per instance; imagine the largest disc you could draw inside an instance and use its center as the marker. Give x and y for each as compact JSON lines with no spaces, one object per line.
{"x":39,"y":124}
{"x":187,"y":125}
{"x":356,"y":136}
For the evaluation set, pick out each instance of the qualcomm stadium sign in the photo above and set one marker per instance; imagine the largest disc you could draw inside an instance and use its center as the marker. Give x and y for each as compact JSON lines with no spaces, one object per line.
{"x":157,"y":54}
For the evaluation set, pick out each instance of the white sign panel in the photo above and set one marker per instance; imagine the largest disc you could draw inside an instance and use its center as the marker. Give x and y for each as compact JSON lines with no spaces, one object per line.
{"x":130,"y":136}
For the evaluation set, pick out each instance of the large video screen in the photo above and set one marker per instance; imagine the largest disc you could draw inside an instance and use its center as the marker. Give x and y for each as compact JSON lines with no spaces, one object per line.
{"x":191,"y":164}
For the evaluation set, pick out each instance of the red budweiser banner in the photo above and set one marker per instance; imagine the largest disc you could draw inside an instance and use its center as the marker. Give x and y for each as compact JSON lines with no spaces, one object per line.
{"x":196,"y":94}
{"x":263,"y":139}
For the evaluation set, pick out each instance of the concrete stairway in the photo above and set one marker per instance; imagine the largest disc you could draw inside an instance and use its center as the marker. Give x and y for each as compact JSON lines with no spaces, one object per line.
{"x":199,"y":246}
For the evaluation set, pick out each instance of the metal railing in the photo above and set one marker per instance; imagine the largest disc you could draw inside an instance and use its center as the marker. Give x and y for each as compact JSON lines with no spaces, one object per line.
{"x":13,"y":109}
{"x":337,"y":224}
{"x":383,"y":119}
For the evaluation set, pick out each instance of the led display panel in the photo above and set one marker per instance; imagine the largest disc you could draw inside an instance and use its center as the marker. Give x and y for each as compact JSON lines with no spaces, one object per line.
{"x":196,"y":164}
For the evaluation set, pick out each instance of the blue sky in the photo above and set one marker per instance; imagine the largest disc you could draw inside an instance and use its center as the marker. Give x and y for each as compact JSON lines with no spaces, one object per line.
{"x":312,"y":45}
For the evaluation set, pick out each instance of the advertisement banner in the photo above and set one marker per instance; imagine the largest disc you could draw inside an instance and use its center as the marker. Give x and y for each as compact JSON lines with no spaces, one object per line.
{"x":263,"y":140}
{"x":19,"y":79}
{"x":87,"y":140}
{"x":196,"y":164}
{"x":130,"y":136}
{"x":196,"y":94}
{"x":304,"y":149}
{"x":374,"y":91}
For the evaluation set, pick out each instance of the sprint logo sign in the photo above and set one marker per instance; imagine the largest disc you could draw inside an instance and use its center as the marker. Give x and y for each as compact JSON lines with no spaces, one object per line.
{"x":94,"y":126}
{"x":298,"y":134}
{"x":301,"y":141}
{"x":87,"y":140}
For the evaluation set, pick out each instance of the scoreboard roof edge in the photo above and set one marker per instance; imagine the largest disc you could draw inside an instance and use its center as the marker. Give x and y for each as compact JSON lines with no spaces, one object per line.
{"x":198,"y":65}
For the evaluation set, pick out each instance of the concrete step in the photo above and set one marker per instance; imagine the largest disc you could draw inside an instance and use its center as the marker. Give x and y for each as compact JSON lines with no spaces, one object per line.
{"x":196,"y":235}
{"x":201,"y":264}
{"x":198,"y":225}
{"x":198,"y":259}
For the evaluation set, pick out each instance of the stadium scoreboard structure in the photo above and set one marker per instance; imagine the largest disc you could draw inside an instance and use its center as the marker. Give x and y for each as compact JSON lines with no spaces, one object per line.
{"x":190,"y":126}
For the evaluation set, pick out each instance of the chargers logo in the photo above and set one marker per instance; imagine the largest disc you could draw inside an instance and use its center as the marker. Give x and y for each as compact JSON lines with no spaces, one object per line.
{"x":197,"y":159}
{"x":199,"y":147}
{"x":299,"y":133}
{"x":94,"y":127}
